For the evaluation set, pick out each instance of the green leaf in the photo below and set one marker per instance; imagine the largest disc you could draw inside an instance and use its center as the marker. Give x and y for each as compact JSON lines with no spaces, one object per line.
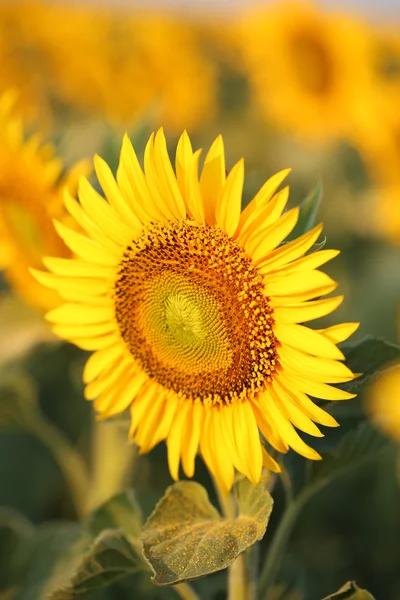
{"x":115,"y":551}
{"x":350,"y":591}
{"x":120,"y":512}
{"x":18,"y":400}
{"x":186,"y":537}
{"x":111,"y":557}
{"x":45,"y":558}
{"x":308,"y":212}
{"x":15,"y":530}
{"x":369,"y":356}
{"x":356,"y":448}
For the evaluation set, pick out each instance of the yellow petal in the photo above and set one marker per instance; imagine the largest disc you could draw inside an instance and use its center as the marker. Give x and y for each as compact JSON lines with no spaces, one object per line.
{"x":87,"y":248}
{"x":218,"y":460}
{"x":75,"y":314}
{"x":339,"y":333}
{"x":138,"y":409}
{"x":248,"y":441}
{"x":230,"y":200}
{"x":292,"y":250}
{"x":153,"y":183}
{"x":101,"y":360}
{"x":269,"y":463}
{"x":164,"y":425}
{"x":132,"y":182}
{"x":262,"y":197}
{"x":166,"y":175}
{"x":322,"y":369}
{"x":212,"y":179}
{"x":123,"y":396}
{"x":286,"y":429}
{"x":77,"y":268}
{"x":84,"y":331}
{"x":313,"y":411}
{"x":174,"y":439}
{"x":94,"y":343}
{"x":187,"y":165}
{"x":78,"y":284}
{"x":144,"y":434}
{"x":191,"y":438}
{"x":264,"y":217}
{"x":183,"y":157}
{"x":306,"y":339}
{"x":261,"y":243}
{"x":269,"y":432}
{"x":117,"y":373}
{"x":102,"y":214}
{"x":307,"y":311}
{"x":309,"y":262}
{"x":316,"y":388}
{"x":284,"y":291}
{"x":114,"y":196}
{"x":293,"y":413}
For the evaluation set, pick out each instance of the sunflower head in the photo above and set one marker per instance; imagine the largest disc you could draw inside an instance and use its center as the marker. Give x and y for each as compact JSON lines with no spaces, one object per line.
{"x":30,"y":197}
{"x":195,"y":309}
{"x":308,"y":67}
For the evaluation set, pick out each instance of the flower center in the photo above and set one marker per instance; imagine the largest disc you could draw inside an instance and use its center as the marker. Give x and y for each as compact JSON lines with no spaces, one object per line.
{"x":190,"y":307}
{"x":313,"y":64}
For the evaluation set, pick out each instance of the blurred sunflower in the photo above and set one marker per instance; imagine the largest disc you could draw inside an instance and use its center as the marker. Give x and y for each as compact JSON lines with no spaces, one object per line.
{"x":193,"y":309}
{"x":308,"y":67}
{"x":30,"y":197}
{"x":383,"y":403}
{"x":378,"y":142}
{"x":118,"y":65}
{"x":20,"y":65}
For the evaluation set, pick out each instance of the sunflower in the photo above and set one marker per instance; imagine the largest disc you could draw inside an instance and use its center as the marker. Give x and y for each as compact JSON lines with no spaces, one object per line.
{"x":308,"y":67}
{"x":117,"y":63}
{"x":194,"y":310}
{"x":30,"y":197}
{"x":378,"y":142}
{"x":383,"y":402}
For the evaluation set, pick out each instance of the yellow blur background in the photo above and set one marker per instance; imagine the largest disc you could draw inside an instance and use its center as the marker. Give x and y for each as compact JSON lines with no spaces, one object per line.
{"x":288,"y":84}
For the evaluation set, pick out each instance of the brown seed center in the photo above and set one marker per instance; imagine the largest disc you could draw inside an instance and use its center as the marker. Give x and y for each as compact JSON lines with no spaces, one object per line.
{"x":191,"y":309}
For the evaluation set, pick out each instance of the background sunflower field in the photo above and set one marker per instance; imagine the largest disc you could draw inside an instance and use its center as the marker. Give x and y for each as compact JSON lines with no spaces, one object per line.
{"x":288,"y":84}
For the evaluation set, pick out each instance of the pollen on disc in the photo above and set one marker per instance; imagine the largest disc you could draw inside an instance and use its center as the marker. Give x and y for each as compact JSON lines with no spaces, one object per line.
{"x":190,"y":307}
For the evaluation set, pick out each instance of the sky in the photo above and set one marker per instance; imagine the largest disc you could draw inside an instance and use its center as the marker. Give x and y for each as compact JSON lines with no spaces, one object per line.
{"x":371,"y":8}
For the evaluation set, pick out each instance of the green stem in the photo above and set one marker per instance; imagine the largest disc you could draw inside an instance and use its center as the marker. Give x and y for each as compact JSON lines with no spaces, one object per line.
{"x":237,"y":580}
{"x":112,"y":462}
{"x":185,"y":591}
{"x":68,"y":459}
{"x":285,"y":527}
{"x":241,"y":584}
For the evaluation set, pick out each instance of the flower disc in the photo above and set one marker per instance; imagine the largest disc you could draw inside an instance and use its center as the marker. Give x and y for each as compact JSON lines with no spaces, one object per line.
{"x":190,"y":306}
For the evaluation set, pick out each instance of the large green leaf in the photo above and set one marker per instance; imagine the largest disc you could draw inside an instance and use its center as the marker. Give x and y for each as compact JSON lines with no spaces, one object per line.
{"x":110,"y":558}
{"x":45,"y":558}
{"x":15,"y":531}
{"x":350,"y":591}
{"x":308,"y":212}
{"x":356,"y":448}
{"x":18,"y":400}
{"x":114,"y":550}
{"x":369,"y":356}
{"x":186,"y":537}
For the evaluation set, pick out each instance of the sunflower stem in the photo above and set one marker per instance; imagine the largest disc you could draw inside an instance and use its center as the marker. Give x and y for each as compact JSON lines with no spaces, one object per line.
{"x":112,"y":462}
{"x":277,"y":548}
{"x":185,"y":592}
{"x":68,"y":459}
{"x":241,"y":581}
